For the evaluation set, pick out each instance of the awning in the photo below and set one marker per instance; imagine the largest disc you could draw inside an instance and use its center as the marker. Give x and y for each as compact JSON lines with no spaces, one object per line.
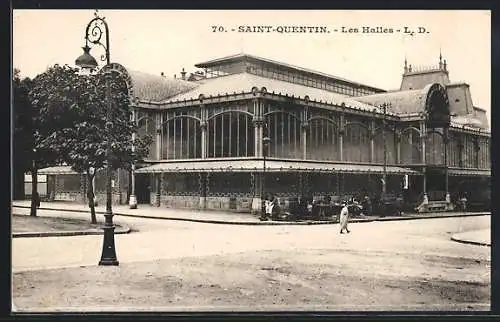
{"x":470,"y":172}
{"x":57,"y":170}
{"x":271,"y":166}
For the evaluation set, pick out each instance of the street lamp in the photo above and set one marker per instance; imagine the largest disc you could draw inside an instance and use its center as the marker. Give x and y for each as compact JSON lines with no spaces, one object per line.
{"x":93,"y":34}
{"x":34,"y":185}
{"x":265,"y":143}
{"x":384,"y":171}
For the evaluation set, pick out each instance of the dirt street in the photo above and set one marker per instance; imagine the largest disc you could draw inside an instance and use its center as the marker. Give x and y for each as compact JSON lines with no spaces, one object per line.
{"x":266,"y":280}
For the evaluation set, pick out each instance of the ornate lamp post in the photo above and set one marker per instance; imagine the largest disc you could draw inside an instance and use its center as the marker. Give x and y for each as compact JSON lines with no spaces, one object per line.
{"x":265,"y":143}
{"x":93,"y":35}
{"x":384,"y":171}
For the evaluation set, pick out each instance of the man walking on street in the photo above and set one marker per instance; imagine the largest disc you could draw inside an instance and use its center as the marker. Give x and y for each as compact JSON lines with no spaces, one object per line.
{"x":344,"y":216}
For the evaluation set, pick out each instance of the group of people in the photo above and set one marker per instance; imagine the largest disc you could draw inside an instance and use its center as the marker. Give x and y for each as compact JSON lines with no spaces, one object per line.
{"x":272,"y":209}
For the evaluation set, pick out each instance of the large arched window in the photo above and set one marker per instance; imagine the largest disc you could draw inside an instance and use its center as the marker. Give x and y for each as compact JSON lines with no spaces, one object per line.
{"x":356,"y":143}
{"x":322,"y":140}
{"x":390,"y":144}
{"x":146,"y":125}
{"x":181,"y":138}
{"x":411,"y":148}
{"x":437,"y":106}
{"x":434,"y":149}
{"x":284,"y":132}
{"x":230,"y":134}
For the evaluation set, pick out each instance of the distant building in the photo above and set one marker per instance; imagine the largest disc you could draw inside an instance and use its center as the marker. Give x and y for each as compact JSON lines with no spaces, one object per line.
{"x":327,"y":137}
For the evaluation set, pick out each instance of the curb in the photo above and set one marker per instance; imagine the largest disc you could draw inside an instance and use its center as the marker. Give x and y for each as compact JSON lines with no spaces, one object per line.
{"x":470,"y":242}
{"x":122,"y":230}
{"x":271,"y":223}
{"x":262,"y":308}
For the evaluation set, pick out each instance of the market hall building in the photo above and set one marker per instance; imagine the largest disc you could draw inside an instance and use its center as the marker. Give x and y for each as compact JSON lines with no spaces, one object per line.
{"x":327,"y":136}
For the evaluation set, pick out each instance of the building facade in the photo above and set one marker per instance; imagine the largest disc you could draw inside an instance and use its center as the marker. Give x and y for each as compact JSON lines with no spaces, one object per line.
{"x":327,"y":136}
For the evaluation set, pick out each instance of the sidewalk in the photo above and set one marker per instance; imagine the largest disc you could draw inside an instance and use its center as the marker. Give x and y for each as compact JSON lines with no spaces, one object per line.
{"x":477,"y":237}
{"x":219,"y":217}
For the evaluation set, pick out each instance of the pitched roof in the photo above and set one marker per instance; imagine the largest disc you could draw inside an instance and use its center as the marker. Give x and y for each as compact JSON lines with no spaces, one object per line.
{"x":243,"y":56}
{"x":244,"y":82}
{"x":157,"y":88}
{"x":402,"y":102}
{"x":419,"y":79}
{"x":468,"y":120}
{"x":62,"y":169}
{"x":148,"y":87}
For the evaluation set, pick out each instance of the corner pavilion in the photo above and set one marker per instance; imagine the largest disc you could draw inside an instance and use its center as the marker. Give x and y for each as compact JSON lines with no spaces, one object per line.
{"x":326,"y":135}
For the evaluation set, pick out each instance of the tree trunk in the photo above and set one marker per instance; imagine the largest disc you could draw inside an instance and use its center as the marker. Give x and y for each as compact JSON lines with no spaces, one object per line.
{"x":90,"y":196}
{"x":35,"y":198}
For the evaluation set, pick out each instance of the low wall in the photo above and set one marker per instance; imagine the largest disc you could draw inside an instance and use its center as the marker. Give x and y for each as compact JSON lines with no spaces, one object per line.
{"x":182,"y":202}
{"x":222,"y":203}
{"x":116,"y":199}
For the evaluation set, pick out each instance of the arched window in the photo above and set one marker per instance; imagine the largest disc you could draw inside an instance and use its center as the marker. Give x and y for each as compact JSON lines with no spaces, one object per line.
{"x":181,"y":138}
{"x":411,"y":148}
{"x":284,"y":132}
{"x":356,"y":143}
{"x":437,"y":106}
{"x":230,"y":134}
{"x":146,"y":125}
{"x":322,"y":140}
{"x":434,"y":148}
{"x":390,"y":142}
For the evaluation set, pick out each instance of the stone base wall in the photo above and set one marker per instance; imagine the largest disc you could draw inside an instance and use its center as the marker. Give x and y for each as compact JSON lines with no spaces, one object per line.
{"x":117,"y":199}
{"x":230,"y":204}
{"x":180,"y":202}
{"x":152,"y":198}
{"x":68,"y":196}
{"x":227,"y":204}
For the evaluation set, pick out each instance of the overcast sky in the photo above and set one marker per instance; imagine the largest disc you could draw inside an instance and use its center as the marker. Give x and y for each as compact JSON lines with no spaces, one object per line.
{"x":156,"y":41}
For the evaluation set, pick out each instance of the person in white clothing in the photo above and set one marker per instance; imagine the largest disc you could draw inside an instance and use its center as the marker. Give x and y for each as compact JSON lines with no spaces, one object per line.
{"x":269,"y":208}
{"x":344,"y":218}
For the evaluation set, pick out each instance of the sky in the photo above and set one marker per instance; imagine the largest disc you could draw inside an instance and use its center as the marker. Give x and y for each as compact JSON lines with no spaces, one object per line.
{"x":156,"y":41}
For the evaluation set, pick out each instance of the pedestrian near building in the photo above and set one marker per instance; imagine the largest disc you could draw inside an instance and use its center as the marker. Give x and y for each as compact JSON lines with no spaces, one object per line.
{"x":37,"y":200}
{"x":344,"y":218}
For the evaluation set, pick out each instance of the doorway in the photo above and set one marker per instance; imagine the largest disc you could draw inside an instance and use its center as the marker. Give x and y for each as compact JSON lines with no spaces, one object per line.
{"x":143,"y":188}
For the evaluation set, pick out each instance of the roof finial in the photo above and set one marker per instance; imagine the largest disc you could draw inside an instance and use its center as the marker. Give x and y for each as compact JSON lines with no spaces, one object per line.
{"x":440,"y":59}
{"x":444,"y":66}
{"x":406,"y":65}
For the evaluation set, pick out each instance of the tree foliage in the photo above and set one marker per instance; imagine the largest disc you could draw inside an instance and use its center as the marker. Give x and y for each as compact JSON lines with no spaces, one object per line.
{"x":81,"y":139}
{"x":22,"y":132}
{"x":76,"y":107}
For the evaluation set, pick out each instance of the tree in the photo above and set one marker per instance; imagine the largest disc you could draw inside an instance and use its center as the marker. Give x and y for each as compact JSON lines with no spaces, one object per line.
{"x":80,"y":136}
{"x":48,"y":116}
{"x":22,"y":134}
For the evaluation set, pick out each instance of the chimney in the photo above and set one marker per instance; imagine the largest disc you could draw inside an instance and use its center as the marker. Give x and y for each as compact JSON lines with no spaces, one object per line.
{"x":175,"y":76}
{"x":183,"y":74}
